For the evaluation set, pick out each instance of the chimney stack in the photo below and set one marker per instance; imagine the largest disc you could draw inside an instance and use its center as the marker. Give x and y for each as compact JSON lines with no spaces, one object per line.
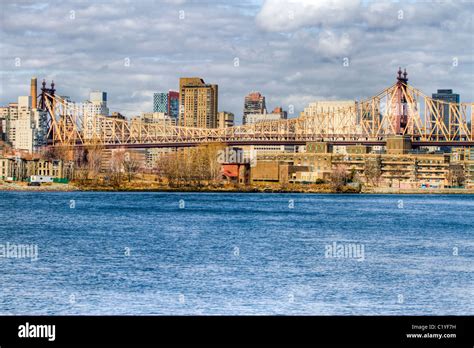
{"x":34,"y":93}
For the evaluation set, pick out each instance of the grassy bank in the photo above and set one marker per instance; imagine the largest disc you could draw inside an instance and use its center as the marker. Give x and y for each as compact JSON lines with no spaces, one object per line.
{"x":156,"y":187}
{"x":153,"y":186}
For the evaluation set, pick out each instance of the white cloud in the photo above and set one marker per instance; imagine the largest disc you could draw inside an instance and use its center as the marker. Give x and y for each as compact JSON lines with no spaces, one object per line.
{"x":333,"y":45}
{"x":292,"y":61}
{"x":281,"y":15}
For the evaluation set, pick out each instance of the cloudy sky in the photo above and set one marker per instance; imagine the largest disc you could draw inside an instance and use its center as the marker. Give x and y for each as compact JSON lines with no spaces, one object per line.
{"x":293,"y":51}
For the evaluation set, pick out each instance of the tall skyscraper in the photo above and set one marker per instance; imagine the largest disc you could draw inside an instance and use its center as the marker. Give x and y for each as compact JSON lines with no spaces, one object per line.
{"x":97,"y":104}
{"x":447,"y":96}
{"x":27,"y":127}
{"x":254,"y":104}
{"x":173,"y":104}
{"x":197,"y":103}
{"x":167,"y":103}
{"x":160,"y":102}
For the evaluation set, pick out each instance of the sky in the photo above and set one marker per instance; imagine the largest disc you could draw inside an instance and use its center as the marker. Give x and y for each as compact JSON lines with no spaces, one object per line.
{"x":294,"y":52}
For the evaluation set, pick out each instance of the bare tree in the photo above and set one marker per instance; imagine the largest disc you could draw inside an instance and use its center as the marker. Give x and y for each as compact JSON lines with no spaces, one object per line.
{"x":94,"y":160}
{"x":81,"y":171}
{"x":372,"y":172}
{"x":116,"y":167}
{"x":131,"y":165}
{"x":194,"y":166}
{"x":167,"y":167}
{"x":339,"y":177}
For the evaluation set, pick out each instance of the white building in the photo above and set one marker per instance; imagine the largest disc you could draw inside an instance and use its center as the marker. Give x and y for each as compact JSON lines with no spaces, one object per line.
{"x":251,"y":151}
{"x":27,"y":128}
{"x":7,"y":115}
{"x":95,"y":106}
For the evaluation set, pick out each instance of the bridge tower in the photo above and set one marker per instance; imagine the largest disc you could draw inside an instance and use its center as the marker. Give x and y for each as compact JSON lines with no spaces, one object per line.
{"x":47,"y":94}
{"x":47,"y":103}
{"x":399,"y":104}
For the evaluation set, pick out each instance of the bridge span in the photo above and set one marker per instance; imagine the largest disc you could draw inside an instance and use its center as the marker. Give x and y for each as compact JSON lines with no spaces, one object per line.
{"x":397,"y":110}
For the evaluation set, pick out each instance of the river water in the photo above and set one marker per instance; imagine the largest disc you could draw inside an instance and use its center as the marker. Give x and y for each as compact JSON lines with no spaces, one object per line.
{"x":232,"y":253}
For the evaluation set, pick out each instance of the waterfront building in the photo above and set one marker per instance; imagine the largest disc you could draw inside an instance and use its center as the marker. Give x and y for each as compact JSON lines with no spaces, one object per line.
{"x":396,"y":170}
{"x":198,"y":103}
{"x":251,"y":151}
{"x":16,"y":168}
{"x":12,"y":168}
{"x":225,"y":119}
{"x":43,"y":167}
{"x":254,"y":103}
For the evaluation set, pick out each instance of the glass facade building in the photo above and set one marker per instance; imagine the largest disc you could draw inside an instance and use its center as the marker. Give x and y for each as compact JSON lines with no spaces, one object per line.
{"x":160,"y":102}
{"x":173,"y":104}
{"x":447,"y":96}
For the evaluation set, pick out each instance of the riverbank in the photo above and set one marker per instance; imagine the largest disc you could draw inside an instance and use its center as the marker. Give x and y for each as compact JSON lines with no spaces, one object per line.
{"x":275,"y":188}
{"x":394,"y":190}
{"x":49,"y":187}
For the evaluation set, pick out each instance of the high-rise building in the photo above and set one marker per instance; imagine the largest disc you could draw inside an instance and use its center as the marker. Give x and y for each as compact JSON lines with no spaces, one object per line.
{"x":447,"y":96}
{"x":279,"y":110}
{"x":96,"y":105}
{"x":160,"y":102}
{"x":98,"y":97}
{"x":167,"y":103}
{"x":254,"y":104}
{"x":173,"y":104}
{"x":225,"y":119}
{"x":27,"y":127}
{"x":4,"y":116}
{"x":8,"y":117}
{"x":197,"y":103}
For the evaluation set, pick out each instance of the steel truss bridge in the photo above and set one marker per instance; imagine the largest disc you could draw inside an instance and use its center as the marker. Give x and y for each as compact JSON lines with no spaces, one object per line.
{"x":397,"y":110}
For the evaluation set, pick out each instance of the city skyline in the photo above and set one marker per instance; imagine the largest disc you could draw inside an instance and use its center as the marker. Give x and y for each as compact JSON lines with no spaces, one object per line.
{"x":293,"y":52}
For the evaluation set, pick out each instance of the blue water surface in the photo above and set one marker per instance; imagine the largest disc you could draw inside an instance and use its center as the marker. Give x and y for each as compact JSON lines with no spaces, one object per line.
{"x":231,"y":253}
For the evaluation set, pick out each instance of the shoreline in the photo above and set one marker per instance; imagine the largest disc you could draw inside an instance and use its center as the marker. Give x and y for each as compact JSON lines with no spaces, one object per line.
{"x":15,"y":187}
